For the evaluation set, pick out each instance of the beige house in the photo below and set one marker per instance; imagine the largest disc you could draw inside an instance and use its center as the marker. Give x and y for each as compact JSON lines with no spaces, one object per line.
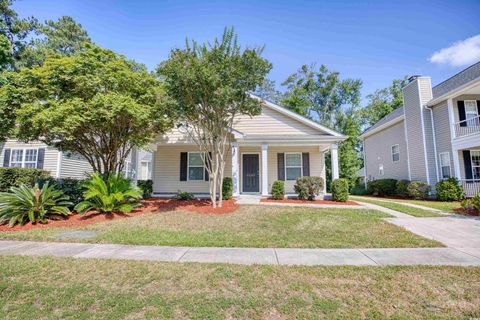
{"x":435,"y":135}
{"x":278,"y":144}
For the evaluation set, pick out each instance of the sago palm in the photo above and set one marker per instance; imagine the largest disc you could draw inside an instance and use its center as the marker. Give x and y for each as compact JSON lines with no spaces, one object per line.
{"x":113,"y":193}
{"x":25,"y":203}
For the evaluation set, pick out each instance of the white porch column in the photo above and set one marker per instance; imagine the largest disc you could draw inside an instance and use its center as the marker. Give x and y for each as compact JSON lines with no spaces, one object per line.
{"x":456,"y":164}
{"x":235,"y":171}
{"x":264,"y":170}
{"x":334,"y":151}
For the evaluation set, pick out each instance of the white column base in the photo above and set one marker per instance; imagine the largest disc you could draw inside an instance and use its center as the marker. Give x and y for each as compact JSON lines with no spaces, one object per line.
{"x":335,"y":171}
{"x":264,"y":170}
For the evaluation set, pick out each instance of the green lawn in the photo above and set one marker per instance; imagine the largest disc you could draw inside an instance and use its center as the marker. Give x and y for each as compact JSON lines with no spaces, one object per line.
{"x":66,"y":288}
{"x":416,"y":212}
{"x":444,"y":206}
{"x":250,"y":226}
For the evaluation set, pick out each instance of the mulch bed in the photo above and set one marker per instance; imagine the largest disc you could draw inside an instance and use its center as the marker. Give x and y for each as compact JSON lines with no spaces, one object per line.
{"x":351,"y":203}
{"x":150,"y":206}
{"x":471,"y":212}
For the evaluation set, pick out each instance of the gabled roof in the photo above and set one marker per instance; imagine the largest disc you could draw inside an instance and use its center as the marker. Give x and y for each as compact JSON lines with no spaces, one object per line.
{"x":299,"y":118}
{"x":463,"y":77}
{"x":391,"y":118}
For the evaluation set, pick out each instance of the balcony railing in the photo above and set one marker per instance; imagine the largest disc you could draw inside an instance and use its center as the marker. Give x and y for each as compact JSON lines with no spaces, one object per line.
{"x":471,"y":187}
{"x":467,"y":127}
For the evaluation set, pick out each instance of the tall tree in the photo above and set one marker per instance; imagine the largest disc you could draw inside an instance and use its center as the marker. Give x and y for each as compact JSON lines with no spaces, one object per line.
{"x":209,"y":84}
{"x":267,"y":91}
{"x":382,"y":102}
{"x":320,"y":94}
{"x":95,"y":103}
{"x":349,"y":161}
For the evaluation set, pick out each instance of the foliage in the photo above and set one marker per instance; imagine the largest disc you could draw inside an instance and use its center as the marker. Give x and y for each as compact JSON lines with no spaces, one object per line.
{"x":418,"y":190}
{"x":401,"y":188}
{"x":307,"y":188}
{"x":184,"y":195}
{"x":476,"y":202}
{"x":278,"y":190}
{"x":227,"y":188}
{"x":340,"y":190}
{"x":147,"y":188}
{"x":382,"y":187}
{"x":348,"y":157}
{"x":209,"y":85}
{"x":109,"y":193}
{"x":25,"y":203}
{"x":69,"y":186}
{"x":266,"y":90}
{"x":359,"y":191}
{"x":5,"y":52}
{"x":94,"y":103}
{"x":449,"y":190}
{"x":467,"y":204}
{"x":15,"y":177}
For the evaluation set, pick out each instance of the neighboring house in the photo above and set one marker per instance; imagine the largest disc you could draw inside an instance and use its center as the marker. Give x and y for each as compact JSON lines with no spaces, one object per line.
{"x":435,"y":135}
{"x":278,"y":144}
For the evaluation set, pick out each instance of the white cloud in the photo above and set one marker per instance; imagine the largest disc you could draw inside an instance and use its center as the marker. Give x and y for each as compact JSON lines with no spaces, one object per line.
{"x":460,"y":53}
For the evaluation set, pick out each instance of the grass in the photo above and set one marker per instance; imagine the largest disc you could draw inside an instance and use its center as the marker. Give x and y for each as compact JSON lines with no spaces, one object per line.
{"x":66,"y":288}
{"x":446,"y":206}
{"x":416,"y":212}
{"x":250,"y":226}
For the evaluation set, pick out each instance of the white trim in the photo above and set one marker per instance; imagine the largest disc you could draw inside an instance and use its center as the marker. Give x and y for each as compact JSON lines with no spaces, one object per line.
{"x":293,"y":167}
{"x":434,"y":142}
{"x":384,"y":126}
{"x":259,"y":173}
{"x":455,"y":92}
{"x":58,"y":172}
{"x":381,"y":169}
{"x":197,"y":166}
{"x":298,"y":117}
{"x":441,"y":166}
{"x":423,"y":133}
{"x":365,"y":164}
{"x":391,"y":152}
{"x":471,"y":163}
{"x":235,"y":169}
{"x":451,"y":118}
{"x":264,"y":169}
{"x":456,"y":164}
{"x":24,"y":154}
{"x":334,"y":161}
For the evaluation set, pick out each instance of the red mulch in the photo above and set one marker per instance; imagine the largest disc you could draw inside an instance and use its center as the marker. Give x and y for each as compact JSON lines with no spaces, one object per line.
{"x":471,"y":212}
{"x":351,"y":203}
{"x":150,"y":206}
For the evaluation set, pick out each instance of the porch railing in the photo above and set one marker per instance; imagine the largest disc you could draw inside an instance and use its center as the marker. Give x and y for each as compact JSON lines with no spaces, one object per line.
{"x":467,"y":127}
{"x":471,"y":187}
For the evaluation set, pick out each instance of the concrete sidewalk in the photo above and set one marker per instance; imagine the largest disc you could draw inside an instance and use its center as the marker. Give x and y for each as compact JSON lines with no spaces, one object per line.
{"x":269,"y":256}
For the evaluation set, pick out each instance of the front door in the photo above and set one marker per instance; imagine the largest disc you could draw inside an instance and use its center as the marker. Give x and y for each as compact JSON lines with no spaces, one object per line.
{"x":251,"y":176}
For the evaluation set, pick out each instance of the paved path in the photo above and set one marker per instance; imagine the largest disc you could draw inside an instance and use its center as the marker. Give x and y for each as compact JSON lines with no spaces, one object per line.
{"x":408,"y":204}
{"x":270,"y":256}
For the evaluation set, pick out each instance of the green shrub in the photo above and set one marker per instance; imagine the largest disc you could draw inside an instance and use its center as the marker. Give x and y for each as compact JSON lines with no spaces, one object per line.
{"x":340,"y":190}
{"x":278,"y":190}
{"x":147,"y":188}
{"x":467,"y":204}
{"x":184,"y":195}
{"x":359,"y":191}
{"x":227,"y":188}
{"x":476,"y":202}
{"x":401,"y":188}
{"x":449,"y":190}
{"x":32,"y":204}
{"x":382,"y":187}
{"x":112,"y":193}
{"x":418,"y":190}
{"x":69,"y":186}
{"x":307,"y":188}
{"x":15,"y":177}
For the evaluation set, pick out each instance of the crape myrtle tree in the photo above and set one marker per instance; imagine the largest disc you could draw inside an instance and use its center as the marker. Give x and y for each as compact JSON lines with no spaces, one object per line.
{"x":209,"y":84}
{"x":95,"y":103}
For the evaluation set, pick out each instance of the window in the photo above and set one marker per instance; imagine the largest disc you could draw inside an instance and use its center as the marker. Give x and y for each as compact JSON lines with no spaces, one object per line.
{"x":445,"y":164}
{"x":196,"y":170}
{"x":475,"y":156}
{"x":471,"y":113}
{"x":395,"y":153}
{"x":145,"y":170}
{"x":380,"y":169}
{"x":293,"y":166}
{"x":24,"y":158}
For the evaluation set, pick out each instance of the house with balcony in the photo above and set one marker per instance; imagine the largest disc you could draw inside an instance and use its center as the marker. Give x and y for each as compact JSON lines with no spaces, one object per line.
{"x":435,"y":135}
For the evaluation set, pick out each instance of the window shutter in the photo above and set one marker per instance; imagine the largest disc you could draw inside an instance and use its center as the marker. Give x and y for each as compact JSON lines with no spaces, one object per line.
{"x":467,"y":161}
{"x":207,"y":164}
{"x":183,"y":166}
{"x":461,"y":113}
{"x":6,"y":158}
{"x":281,"y":166}
{"x":478,"y":107}
{"x":40,"y":158}
{"x":306,"y":164}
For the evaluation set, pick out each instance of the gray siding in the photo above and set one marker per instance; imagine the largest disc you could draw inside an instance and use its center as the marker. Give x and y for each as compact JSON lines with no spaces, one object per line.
{"x":378,"y":151}
{"x":425,"y":96}
{"x":442,"y":133}
{"x":74,"y":166}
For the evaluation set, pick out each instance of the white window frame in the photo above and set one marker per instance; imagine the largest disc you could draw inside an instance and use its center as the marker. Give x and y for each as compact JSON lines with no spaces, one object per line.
{"x":471,"y":162}
{"x":442,"y":165}
{"x":392,"y":153}
{"x":381,"y":170}
{"x":293,"y":167}
{"x":24,"y":154}
{"x":202,"y":155}
{"x":148,"y":171}
{"x":472,"y":113}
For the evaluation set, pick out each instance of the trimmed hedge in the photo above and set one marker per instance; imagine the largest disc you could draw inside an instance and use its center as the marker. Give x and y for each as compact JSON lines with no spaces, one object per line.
{"x":227,"y":188}
{"x":147,"y":188}
{"x":418,"y":190}
{"x":340,"y":190}
{"x":14,"y":177}
{"x":449,"y":190}
{"x":307,"y":188}
{"x":73,"y":188}
{"x":382,"y":187}
{"x":401,"y":188}
{"x":278,"y":190}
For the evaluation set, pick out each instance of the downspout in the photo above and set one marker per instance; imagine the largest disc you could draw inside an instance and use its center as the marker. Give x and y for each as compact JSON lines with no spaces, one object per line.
{"x":434,"y":141}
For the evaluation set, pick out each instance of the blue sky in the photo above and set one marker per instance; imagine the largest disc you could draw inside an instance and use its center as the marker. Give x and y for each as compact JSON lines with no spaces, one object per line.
{"x":376,"y":41}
